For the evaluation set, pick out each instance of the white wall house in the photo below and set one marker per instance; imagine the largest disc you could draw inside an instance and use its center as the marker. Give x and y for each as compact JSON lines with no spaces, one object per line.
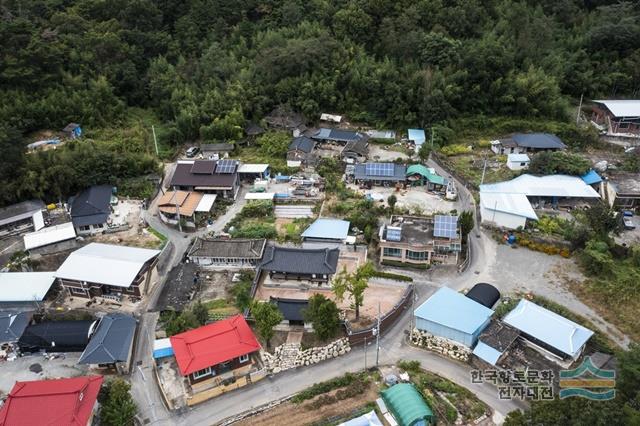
{"x":518,"y":161}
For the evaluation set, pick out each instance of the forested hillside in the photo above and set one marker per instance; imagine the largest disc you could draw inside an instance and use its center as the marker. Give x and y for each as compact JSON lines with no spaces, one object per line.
{"x":206,"y":66}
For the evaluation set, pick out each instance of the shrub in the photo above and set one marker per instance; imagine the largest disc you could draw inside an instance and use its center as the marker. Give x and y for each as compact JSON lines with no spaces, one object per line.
{"x":456,"y":149}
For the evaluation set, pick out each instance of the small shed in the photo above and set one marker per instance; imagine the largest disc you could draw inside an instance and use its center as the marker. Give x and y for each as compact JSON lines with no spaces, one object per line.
{"x":518,"y":161}
{"x":417,"y":136}
{"x":485,"y":294}
{"x":407,"y":405}
{"x":72,"y":131}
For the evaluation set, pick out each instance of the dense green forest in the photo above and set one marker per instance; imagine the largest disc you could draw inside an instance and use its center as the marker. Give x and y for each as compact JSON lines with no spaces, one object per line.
{"x":204,"y":67}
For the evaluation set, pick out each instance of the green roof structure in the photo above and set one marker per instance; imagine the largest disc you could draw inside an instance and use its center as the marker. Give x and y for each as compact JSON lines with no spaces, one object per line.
{"x":407,"y":406}
{"x":425,"y":173}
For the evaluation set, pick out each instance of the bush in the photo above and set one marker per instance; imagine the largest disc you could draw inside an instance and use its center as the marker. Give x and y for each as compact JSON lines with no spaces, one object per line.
{"x":457,"y":149}
{"x":559,"y":162}
{"x":328,"y":386}
{"x":324,"y":315}
{"x":392,"y":276}
{"x":256,"y":230}
{"x":410,"y":366}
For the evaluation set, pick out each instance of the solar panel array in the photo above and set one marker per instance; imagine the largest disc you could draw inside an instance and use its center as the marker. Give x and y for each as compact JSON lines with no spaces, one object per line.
{"x":226,"y":166}
{"x":394,"y":233}
{"x":379,"y":169}
{"x":445,"y":226}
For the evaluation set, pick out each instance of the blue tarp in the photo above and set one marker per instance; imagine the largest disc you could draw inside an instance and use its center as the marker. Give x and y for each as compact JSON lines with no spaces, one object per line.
{"x":591,"y":177}
{"x":417,"y":136}
{"x":330,"y":229}
{"x":487,"y":353}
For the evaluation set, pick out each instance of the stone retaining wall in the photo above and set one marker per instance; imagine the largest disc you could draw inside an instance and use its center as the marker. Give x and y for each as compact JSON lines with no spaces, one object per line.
{"x":290,"y":355}
{"x":441,"y":345}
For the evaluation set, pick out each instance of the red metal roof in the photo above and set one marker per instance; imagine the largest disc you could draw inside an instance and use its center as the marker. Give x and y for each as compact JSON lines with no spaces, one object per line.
{"x":212,"y":344}
{"x":58,"y":402}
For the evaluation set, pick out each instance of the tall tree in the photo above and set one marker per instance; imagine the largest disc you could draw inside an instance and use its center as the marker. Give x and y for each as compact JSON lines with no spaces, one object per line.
{"x":118,"y":407}
{"x":324,"y":315}
{"x":354,"y":284}
{"x":266,"y":316}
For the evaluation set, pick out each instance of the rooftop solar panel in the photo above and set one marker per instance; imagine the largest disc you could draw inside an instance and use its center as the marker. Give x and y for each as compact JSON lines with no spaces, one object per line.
{"x":379,"y":169}
{"x":445,"y":226}
{"x":226,"y":166}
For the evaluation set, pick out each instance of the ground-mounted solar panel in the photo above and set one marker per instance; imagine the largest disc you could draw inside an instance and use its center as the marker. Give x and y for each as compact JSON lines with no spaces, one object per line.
{"x":445,"y":226}
{"x":226,"y":166}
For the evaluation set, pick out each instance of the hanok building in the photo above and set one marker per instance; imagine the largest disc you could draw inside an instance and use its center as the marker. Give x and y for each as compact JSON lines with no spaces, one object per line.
{"x":299,"y":151}
{"x":522,"y":143}
{"x":222,"y":352}
{"x":240,"y":253}
{"x":355,"y":151}
{"x":109,"y":271}
{"x":617,"y":117}
{"x":72,"y":402}
{"x":337,"y":135}
{"x":185,"y":206}
{"x":420,"y":240}
{"x":419,"y":175}
{"x":623,"y":190}
{"x":111,"y":344}
{"x":56,"y":336}
{"x":22,"y":217}
{"x":382,"y":174}
{"x":90,"y":209}
{"x":292,"y":311}
{"x":209,"y":176}
{"x":308,"y":266}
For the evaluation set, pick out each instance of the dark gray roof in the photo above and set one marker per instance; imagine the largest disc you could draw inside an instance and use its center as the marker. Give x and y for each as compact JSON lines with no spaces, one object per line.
{"x":292,"y":309}
{"x":252,"y":129}
{"x":56,"y":336}
{"x":283,"y":117}
{"x":499,"y":335}
{"x":399,"y":173}
{"x":485,"y":294}
{"x":23,"y":210}
{"x":70,"y":127}
{"x":91,"y":206}
{"x":111,"y":342}
{"x":337,"y":135}
{"x":234,"y":248}
{"x":182,"y":176}
{"x":216,"y":147}
{"x":300,"y":261}
{"x":302,"y":143}
{"x":538,"y":141}
{"x":361,"y":147}
{"x":12,"y":325}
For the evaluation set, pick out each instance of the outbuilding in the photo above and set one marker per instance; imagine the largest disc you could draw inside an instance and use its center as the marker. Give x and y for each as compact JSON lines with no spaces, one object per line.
{"x":56,"y":336}
{"x":407,"y":405}
{"x":518,"y":161}
{"x":327,"y":230}
{"x":453,"y":316}
{"x":485,"y":294}
{"x":22,"y":217}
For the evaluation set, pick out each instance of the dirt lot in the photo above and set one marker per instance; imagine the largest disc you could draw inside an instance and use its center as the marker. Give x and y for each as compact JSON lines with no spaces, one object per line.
{"x":385,"y":153}
{"x":129,"y":211}
{"x":292,"y":414}
{"x":417,"y":200}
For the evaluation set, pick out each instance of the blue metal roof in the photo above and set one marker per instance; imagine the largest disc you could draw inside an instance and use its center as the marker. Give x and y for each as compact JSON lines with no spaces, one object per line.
{"x":417,"y":136}
{"x":591,"y":177}
{"x":331,"y":229}
{"x":162,"y":353}
{"x":454,"y":310}
{"x":487,"y":353}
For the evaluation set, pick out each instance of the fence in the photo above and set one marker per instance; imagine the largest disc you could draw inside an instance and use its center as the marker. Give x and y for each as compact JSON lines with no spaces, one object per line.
{"x":164,"y":258}
{"x":386,"y":322}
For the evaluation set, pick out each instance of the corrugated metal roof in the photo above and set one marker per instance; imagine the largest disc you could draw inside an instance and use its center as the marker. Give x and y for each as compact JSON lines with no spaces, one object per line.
{"x":452,"y":309}
{"x":543,"y":186}
{"x":426,"y":173}
{"x":487,"y":353}
{"x":25,"y":286}
{"x":12,"y":325}
{"x":50,"y":235}
{"x":105,"y":264}
{"x":538,"y":141}
{"x":417,"y":136}
{"x":326,"y":228}
{"x":368,"y":419}
{"x":591,"y":177}
{"x":518,"y":158}
{"x":548,"y":327}
{"x":206,"y":203}
{"x":622,"y":108}
{"x":259,"y":195}
{"x":516,"y":204}
{"x":253,"y":168}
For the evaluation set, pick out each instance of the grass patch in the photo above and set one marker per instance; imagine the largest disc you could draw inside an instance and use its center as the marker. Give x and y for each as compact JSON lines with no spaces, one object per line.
{"x":392,"y":276}
{"x":469,"y":166}
{"x":163,"y":238}
{"x":328,"y":386}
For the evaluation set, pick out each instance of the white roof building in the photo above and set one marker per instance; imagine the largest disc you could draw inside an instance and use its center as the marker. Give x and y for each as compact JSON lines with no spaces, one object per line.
{"x":622,"y":108}
{"x":253,"y":168}
{"x":548,"y":330}
{"x":506,"y":204}
{"x":105,"y":264}
{"x":25,"y":286}
{"x":206,"y":203}
{"x":49,"y":235}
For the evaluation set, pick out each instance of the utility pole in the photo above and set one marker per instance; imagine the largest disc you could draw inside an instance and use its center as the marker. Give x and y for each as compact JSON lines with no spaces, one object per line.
{"x":365,"y":353}
{"x":432,"y":131}
{"x":378,"y":337}
{"x":155,"y":140}
{"x":579,"y":109}
{"x":175,"y":198}
{"x":484,"y":169}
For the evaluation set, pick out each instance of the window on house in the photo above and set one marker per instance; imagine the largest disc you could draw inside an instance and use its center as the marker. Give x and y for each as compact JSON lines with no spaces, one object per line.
{"x":243,"y":358}
{"x":85,"y":228}
{"x":392,"y":252}
{"x":623,"y":125}
{"x":202,"y":373}
{"x":75,"y":290}
{"x":523,"y":164}
{"x":416,"y":255}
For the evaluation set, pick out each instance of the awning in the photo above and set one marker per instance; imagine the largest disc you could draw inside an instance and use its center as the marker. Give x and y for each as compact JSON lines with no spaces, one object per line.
{"x":487,"y":353}
{"x":206,"y":203}
{"x":253,"y":168}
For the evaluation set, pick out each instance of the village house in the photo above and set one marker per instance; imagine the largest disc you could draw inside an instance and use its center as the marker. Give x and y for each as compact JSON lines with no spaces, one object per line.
{"x":419,"y":175}
{"x":217,"y":357}
{"x":108,"y":271}
{"x":420,"y":240}
{"x":111,"y":344}
{"x":186,"y":206}
{"x":522,"y":143}
{"x":71,"y":401}
{"x":382,"y":174}
{"x":209,"y":176}
{"x":25,"y":288}
{"x":218,"y":252}
{"x":518,"y":161}
{"x":355,"y":151}
{"x":299,"y":151}
{"x":51,"y":239}
{"x":215,"y":151}
{"x":617,"y":117}
{"x":291,"y":266}
{"x":337,"y":135}
{"x":623,"y":190}
{"x":292,"y":311}
{"x":22,"y":217}
{"x":56,"y":336}
{"x":90,"y":209}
